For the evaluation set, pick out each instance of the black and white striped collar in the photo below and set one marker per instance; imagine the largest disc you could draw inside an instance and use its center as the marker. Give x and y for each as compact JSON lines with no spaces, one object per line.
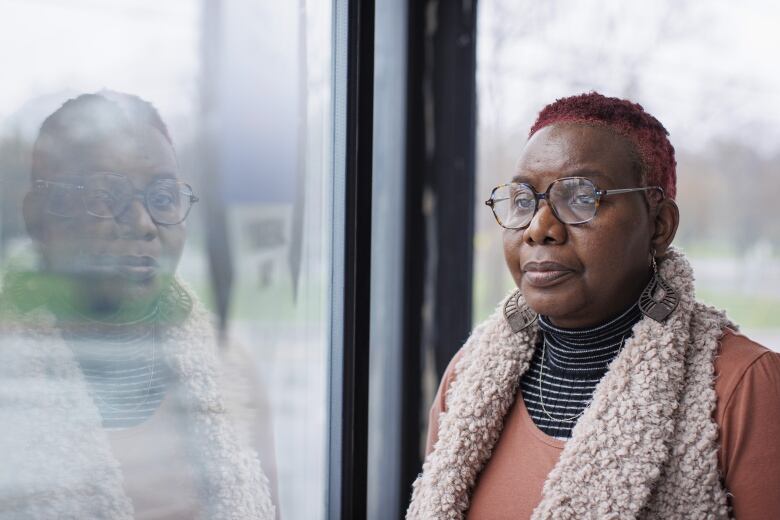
{"x":586,"y":350}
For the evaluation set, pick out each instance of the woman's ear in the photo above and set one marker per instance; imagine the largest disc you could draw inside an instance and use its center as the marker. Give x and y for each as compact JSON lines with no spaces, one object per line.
{"x":32,"y":211}
{"x":666,"y":220}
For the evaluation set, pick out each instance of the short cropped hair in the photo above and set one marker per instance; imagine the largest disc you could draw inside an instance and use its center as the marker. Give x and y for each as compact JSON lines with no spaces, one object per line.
{"x":89,"y":117}
{"x":648,"y":136}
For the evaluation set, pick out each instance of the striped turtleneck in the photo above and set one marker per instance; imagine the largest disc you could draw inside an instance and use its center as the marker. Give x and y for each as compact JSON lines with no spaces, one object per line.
{"x":123,"y":368}
{"x":567,"y":366}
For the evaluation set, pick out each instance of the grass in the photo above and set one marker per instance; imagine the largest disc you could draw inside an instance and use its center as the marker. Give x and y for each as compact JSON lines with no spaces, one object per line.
{"x":745,"y":310}
{"x":273,"y":303}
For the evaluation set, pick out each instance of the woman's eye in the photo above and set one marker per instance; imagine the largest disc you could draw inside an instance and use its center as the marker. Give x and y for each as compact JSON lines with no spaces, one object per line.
{"x":583,"y":200}
{"x":102,"y":197}
{"x":524,"y":201}
{"x":162,"y":200}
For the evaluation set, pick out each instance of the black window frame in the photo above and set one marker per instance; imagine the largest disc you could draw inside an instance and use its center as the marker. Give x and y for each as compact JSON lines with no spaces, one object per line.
{"x":439,"y":105}
{"x":353,"y":67}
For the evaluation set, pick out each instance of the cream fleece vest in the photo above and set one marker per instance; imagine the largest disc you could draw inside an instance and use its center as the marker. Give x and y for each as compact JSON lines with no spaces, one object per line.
{"x":646,"y":446}
{"x":56,"y":457}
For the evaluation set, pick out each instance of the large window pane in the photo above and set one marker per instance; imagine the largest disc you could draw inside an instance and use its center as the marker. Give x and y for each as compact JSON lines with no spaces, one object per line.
{"x":165,"y":227}
{"x":701,"y":68}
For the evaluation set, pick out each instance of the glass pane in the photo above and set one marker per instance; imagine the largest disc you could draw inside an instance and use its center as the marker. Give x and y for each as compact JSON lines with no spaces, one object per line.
{"x":152,"y":368}
{"x":384,"y":491}
{"x":700,"y":67}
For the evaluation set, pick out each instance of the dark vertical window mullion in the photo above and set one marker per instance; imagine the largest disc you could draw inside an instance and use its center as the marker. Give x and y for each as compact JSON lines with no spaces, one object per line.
{"x":414,"y":256}
{"x":350,"y":331}
{"x":440,"y":179}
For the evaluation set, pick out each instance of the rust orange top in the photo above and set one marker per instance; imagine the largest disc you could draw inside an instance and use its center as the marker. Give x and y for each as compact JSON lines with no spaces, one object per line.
{"x":747,"y":385}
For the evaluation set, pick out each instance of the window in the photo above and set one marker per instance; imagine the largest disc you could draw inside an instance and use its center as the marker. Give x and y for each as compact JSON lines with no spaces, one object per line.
{"x":701,"y":69}
{"x":191,"y":357}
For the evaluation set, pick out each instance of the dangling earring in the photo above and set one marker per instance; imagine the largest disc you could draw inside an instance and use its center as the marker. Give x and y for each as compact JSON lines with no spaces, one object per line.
{"x":658,"y":310}
{"x":519,"y":315}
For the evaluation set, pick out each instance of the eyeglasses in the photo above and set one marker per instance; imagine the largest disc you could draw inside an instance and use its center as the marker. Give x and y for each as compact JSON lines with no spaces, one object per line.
{"x":108,"y":195}
{"x":573,"y":200}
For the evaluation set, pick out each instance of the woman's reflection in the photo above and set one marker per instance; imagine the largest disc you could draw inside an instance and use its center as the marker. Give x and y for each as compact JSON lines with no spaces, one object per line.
{"x":120,"y":403}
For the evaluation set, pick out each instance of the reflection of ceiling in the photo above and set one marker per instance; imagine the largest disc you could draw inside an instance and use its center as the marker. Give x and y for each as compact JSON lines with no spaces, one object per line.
{"x":144,"y":47}
{"x":26,"y":120}
{"x":152,"y":49}
{"x":257,"y":101}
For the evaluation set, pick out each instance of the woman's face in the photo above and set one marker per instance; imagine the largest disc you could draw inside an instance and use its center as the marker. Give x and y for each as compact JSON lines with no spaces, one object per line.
{"x":128,"y":259}
{"x":581,"y":275}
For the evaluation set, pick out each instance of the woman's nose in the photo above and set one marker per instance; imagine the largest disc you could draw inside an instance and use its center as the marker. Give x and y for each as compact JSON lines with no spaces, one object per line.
{"x":545,"y":228}
{"x":136,"y":222}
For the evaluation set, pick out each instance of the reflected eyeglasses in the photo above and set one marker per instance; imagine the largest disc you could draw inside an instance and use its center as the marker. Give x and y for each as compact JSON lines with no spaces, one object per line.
{"x":573,"y":200}
{"x":108,"y":195}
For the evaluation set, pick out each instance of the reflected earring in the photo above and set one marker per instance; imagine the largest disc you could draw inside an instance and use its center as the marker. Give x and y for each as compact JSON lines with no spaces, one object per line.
{"x":658,"y":309}
{"x":518,"y":315}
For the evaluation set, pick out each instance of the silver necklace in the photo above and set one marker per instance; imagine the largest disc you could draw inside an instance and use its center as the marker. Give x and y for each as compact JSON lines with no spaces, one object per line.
{"x":573,"y":418}
{"x":148,"y":392}
{"x":151,"y":317}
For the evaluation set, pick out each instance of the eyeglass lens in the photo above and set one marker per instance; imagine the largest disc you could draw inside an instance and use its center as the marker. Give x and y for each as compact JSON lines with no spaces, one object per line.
{"x":574,"y":201}
{"x":108,"y":195}
{"x":63,"y":200}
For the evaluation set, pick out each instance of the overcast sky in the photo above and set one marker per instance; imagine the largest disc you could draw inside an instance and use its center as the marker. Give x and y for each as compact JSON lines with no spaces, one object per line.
{"x":152,"y":48}
{"x":707,"y":70}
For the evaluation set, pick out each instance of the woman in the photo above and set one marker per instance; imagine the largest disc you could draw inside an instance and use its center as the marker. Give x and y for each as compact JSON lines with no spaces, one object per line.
{"x":115,"y":398}
{"x":601,"y":388}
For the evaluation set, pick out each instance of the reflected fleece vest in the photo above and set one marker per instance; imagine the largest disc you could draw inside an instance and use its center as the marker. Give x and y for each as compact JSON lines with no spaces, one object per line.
{"x":56,"y":458}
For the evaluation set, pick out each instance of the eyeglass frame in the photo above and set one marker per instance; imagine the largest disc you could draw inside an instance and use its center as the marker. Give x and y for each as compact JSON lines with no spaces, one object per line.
{"x":599,"y":193}
{"x":41,"y":184}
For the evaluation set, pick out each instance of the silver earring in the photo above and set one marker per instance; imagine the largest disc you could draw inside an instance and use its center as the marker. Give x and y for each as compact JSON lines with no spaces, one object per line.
{"x":519,"y":316}
{"x":658,"y":309}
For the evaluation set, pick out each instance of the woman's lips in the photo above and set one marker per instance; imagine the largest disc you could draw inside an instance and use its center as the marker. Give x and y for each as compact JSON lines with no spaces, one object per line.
{"x":136,"y":268}
{"x":137,"y":273}
{"x":137,"y":260}
{"x":545,"y":274}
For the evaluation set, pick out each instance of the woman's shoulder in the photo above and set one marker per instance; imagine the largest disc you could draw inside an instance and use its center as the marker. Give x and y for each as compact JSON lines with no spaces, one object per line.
{"x":451,"y":372}
{"x":439,"y":404}
{"x":737,"y":356}
{"x":745,"y":368}
{"x":457,"y":361}
{"x":747,"y":383}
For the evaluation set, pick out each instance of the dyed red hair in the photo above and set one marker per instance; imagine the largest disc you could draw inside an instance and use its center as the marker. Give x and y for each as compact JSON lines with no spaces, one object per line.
{"x":648,"y":136}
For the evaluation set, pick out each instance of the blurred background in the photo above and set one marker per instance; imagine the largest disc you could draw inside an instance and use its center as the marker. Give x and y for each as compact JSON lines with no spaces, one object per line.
{"x":704,"y":69}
